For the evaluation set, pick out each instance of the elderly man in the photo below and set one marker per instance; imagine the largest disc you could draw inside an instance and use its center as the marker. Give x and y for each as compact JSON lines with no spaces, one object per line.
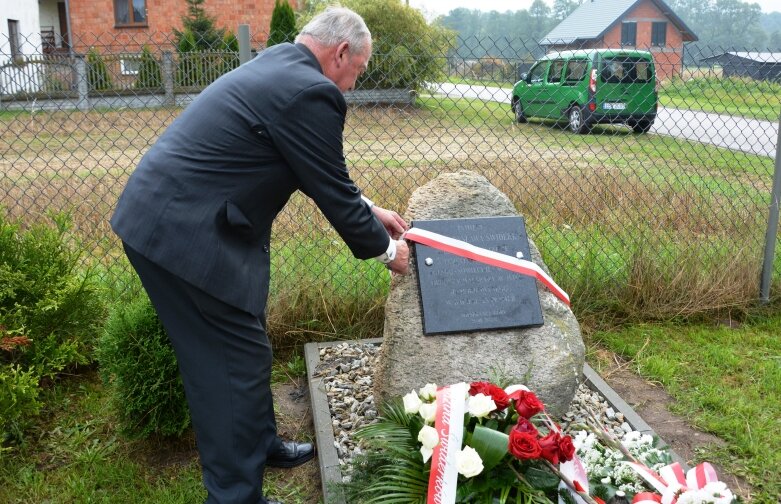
{"x":195,"y":220}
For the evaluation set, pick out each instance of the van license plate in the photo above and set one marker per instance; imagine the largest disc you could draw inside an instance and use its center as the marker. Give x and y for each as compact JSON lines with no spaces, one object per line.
{"x":614,"y":106}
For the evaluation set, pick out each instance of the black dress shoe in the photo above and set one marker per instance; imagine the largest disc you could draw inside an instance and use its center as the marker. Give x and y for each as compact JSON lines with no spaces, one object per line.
{"x":290,"y":454}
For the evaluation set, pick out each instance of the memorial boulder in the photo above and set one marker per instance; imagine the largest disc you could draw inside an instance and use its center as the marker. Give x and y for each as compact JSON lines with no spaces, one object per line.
{"x":547,"y":358}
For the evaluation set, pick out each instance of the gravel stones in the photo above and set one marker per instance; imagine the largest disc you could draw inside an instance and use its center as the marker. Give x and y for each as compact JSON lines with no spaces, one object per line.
{"x":347,"y":371}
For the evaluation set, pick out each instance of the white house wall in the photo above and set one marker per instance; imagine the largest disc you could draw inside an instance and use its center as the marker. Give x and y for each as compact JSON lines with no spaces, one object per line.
{"x":23,"y":77}
{"x":50,"y":16}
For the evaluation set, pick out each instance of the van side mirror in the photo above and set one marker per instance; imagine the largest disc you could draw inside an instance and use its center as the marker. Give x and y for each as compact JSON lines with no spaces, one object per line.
{"x":525,"y":77}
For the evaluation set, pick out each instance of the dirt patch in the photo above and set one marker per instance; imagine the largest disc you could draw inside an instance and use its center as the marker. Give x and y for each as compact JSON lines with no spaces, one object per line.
{"x":652,"y":402}
{"x":300,"y":485}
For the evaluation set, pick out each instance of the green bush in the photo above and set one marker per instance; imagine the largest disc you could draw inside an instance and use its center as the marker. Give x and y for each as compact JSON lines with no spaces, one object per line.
{"x":138,"y":365}
{"x":283,"y":24}
{"x":46,"y":298}
{"x":50,"y":312}
{"x":149,"y":74}
{"x":98,"y":77}
{"x":18,"y":401}
{"x":407,"y":51}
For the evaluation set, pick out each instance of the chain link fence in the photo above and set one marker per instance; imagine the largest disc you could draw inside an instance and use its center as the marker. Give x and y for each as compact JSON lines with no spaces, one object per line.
{"x":668,"y":203}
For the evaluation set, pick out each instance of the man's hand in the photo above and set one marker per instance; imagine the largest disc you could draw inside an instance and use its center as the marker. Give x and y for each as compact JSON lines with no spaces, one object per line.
{"x":400,"y":264}
{"x":392,"y":221}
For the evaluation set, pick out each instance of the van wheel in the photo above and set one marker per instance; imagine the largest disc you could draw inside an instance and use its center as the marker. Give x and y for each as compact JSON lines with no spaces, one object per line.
{"x":577,"y":123}
{"x":518,"y":109}
{"x":642,"y":126}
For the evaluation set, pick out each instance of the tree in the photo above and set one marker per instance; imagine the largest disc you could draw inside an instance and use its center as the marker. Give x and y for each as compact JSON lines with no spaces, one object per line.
{"x":563,"y":8}
{"x":407,"y":51}
{"x":205,"y":51}
{"x":774,"y":44}
{"x":283,"y":24}
{"x":205,"y":34}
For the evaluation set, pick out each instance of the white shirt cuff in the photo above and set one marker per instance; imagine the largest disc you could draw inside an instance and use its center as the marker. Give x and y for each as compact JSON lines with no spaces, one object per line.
{"x":389,"y":254}
{"x":367,"y":201}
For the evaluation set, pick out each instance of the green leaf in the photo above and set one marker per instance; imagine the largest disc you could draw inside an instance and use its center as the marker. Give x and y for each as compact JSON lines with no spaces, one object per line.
{"x":541,"y":479}
{"x":491,"y":445}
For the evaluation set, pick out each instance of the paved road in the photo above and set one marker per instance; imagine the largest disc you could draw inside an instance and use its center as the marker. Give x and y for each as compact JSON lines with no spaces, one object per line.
{"x":736,"y":133}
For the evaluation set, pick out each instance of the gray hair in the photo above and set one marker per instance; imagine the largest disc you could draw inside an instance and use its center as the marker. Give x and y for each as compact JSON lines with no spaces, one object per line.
{"x":336,"y":25}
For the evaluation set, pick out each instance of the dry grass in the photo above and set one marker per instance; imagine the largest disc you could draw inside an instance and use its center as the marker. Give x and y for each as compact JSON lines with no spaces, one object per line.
{"x":80,"y":161}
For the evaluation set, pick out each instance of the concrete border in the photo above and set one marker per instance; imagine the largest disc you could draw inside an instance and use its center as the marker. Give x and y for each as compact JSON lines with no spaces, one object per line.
{"x":330,"y":470}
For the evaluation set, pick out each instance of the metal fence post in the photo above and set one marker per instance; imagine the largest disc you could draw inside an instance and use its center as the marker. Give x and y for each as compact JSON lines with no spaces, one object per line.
{"x":244,"y":47}
{"x":168,"y":78}
{"x":82,"y":84}
{"x":772,"y":225}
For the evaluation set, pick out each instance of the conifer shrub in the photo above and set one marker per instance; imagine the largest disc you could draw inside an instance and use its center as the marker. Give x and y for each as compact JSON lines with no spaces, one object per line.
{"x":283,"y":24}
{"x":205,"y":52}
{"x":98,"y":77}
{"x":138,"y":365}
{"x":51,"y":313}
{"x":149,"y":74}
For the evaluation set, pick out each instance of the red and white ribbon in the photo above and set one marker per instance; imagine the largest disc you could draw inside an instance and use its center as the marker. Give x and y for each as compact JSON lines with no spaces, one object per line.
{"x":574,"y":470}
{"x":485,"y":256}
{"x":647,"y":498}
{"x":449,"y":423}
{"x":671,"y":480}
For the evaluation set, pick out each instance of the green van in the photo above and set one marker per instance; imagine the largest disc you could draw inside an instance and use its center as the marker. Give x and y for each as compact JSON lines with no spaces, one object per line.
{"x":588,"y":87}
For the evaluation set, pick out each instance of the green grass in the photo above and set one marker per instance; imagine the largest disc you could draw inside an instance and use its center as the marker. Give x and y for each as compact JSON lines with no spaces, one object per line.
{"x":503,"y":84}
{"x":78,"y":458}
{"x":734,"y":96}
{"x":725,"y":381}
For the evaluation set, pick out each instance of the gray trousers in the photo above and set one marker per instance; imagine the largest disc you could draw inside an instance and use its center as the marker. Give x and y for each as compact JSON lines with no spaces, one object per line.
{"x":224,"y":358}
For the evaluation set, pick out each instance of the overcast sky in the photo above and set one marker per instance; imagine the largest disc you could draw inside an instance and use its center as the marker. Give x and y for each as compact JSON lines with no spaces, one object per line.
{"x":433,"y":7}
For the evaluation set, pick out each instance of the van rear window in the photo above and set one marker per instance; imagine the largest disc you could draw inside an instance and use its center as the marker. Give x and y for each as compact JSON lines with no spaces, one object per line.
{"x":576,"y":70}
{"x":626,"y":70}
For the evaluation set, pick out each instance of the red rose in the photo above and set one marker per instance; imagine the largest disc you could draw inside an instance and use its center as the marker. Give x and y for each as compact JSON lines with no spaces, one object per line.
{"x":526,"y":403}
{"x":524,"y":425}
{"x":550,"y":447}
{"x":499,"y":396}
{"x":524,"y":445}
{"x":566,"y":448}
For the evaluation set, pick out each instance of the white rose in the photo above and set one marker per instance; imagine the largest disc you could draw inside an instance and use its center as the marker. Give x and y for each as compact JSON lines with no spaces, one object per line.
{"x":690,"y":497}
{"x":428,"y":411}
{"x":426,"y":452}
{"x":469,"y":462}
{"x":480,"y":405}
{"x":513,"y":388}
{"x":428,"y":436}
{"x":428,"y":392}
{"x":412,"y":403}
{"x":672,"y":492}
{"x":717,"y":492}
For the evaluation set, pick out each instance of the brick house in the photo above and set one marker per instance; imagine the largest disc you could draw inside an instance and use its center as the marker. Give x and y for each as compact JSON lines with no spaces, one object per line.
{"x":649,"y":25}
{"x":128,"y":24}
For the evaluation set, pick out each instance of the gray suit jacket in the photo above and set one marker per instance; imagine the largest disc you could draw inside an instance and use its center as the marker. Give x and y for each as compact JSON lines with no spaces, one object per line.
{"x":202,"y":200}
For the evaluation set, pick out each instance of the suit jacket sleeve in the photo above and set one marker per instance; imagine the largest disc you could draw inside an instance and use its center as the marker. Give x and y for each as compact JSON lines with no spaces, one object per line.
{"x":308,"y":134}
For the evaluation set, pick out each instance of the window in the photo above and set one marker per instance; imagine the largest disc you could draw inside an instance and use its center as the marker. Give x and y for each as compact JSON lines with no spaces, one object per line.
{"x":575,"y":72}
{"x":13,"y":38}
{"x":537,"y":73}
{"x":130,"y":12}
{"x":629,"y":33}
{"x":626,"y":70}
{"x":659,"y":34}
{"x":129,"y":66}
{"x":554,"y":75}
